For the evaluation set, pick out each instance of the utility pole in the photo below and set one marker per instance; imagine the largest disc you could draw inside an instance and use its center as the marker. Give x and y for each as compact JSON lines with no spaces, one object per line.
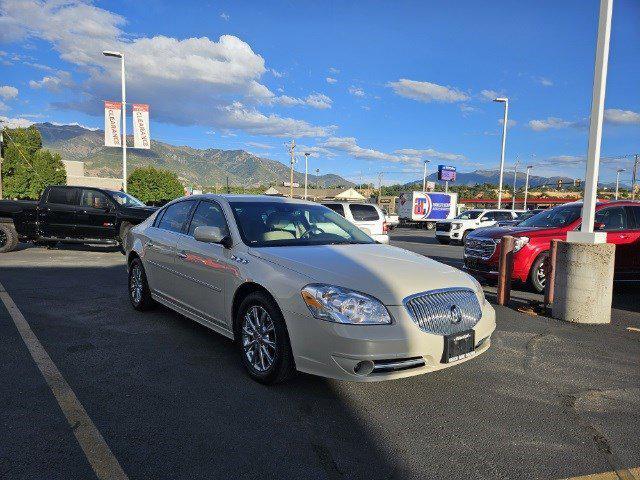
{"x":618,"y":172}
{"x":306,"y":172}
{"x":515,"y":175}
{"x":293,"y":161}
{"x":318,"y":178}
{"x":505,"y":120}
{"x":526,"y":186}
{"x":633,"y":177}
{"x":380,"y":175}
{"x":424,"y":176}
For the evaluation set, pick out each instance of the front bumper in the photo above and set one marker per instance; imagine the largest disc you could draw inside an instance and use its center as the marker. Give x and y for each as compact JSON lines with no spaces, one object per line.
{"x":398,"y":350}
{"x":383,"y":238}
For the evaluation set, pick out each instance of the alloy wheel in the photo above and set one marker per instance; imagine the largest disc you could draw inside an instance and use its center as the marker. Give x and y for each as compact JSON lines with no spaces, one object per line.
{"x":541,"y":276}
{"x":259,"y":338}
{"x":136,"y":285}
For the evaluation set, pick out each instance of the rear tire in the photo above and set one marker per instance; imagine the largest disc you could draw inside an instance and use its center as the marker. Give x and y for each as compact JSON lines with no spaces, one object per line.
{"x":139,"y":292}
{"x":8,"y":237}
{"x":263,"y":340}
{"x":537,"y":276}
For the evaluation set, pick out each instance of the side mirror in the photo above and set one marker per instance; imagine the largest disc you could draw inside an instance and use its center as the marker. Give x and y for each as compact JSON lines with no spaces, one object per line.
{"x":598,"y":226}
{"x":212,"y":235}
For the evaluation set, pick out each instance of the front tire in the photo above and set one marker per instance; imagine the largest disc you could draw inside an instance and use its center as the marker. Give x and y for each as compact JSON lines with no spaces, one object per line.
{"x":263,"y":340}
{"x":537,"y":275}
{"x":8,"y":237}
{"x":139,"y":292}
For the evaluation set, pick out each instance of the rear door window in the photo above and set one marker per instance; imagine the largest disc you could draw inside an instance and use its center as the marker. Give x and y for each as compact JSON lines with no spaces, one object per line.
{"x":94,"y":199}
{"x":63,"y":196}
{"x":208,"y":214}
{"x":613,"y":218}
{"x":336,"y":207}
{"x":176,"y":216}
{"x":364,"y":213}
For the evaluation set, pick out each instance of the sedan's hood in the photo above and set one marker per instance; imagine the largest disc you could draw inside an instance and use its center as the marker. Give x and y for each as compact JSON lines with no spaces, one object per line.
{"x":388,"y":273}
{"x":140,"y":212}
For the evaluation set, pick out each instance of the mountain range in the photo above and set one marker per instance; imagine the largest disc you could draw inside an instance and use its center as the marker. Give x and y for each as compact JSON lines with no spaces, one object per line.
{"x":492,"y":177}
{"x":203,"y":167}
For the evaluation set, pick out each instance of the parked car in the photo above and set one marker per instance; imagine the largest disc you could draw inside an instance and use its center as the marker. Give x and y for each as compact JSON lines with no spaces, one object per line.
{"x":620,"y":219}
{"x":366,"y":216}
{"x":392,"y":219}
{"x":457,"y":228}
{"x":70,"y":214}
{"x":522,"y":215}
{"x":300,"y":288}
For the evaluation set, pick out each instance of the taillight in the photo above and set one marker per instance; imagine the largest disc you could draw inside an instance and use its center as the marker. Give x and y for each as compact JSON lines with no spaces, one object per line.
{"x":385,"y":227}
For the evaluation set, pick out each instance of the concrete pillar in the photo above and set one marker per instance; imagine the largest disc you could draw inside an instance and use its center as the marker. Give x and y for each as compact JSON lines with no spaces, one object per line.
{"x":583,"y":284}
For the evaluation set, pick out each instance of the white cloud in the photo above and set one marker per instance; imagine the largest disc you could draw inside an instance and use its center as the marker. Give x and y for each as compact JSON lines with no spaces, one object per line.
{"x":186,"y":81}
{"x":467,"y":109}
{"x":510,"y":123}
{"x":349,"y":145}
{"x":315,"y":100}
{"x":427,"y":91}
{"x":621,"y":117}
{"x":430,"y":153}
{"x":263,"y":146}
{"x":8,"y":92}
{"x":224,"y":16}
{"x":334,"y":70}
{"x":331,"y":80}
{"x":356,"y":91}
{"x":15,"y":122}
{"x":489,"y":95}
{"x":551,"y":123}
{"x":545,"y":82}
{"x":315,"y":151}
{"x":53,"y":83}
{"x":276,"y":73}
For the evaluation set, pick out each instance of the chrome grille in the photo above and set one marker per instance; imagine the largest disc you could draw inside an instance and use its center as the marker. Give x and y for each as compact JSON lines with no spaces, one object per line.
{"x":443,"y":312}
{"x":479,"y":248}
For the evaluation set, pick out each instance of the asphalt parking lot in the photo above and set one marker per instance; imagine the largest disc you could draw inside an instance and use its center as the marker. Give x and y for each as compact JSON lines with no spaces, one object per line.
{"x":170,"y":398}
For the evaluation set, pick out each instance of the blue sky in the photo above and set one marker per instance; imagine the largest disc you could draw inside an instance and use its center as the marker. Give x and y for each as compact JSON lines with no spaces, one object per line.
{"x":366,"y":87}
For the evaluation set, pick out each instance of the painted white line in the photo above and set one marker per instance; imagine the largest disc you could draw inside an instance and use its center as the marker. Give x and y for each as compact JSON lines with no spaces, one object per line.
{"x":100,"y":457}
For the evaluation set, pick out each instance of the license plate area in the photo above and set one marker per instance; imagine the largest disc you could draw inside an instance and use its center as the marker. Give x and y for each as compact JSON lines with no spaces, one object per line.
{"x":458,"y":346}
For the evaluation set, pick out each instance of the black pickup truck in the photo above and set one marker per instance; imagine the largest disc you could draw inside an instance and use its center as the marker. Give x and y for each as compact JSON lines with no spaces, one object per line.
{"x":70,"y":214}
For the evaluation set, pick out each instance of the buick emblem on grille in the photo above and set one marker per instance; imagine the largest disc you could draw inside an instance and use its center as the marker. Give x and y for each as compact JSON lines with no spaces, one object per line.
{"x":455,"y":314}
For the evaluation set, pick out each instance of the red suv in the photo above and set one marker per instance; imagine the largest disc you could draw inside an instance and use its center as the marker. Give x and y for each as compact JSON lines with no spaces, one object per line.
{"x":620,"y":219}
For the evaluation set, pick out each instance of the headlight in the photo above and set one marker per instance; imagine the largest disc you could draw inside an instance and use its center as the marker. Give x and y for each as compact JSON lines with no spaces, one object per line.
{"x":341,"y":305}
{"x":456,"y":225}
{"x":479,"y":289}
{"x":519,"y":243}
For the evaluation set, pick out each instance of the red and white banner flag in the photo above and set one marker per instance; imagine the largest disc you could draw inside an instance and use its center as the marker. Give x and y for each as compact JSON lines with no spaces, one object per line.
{"x":112,"y":118}
{"x":141,"y":135}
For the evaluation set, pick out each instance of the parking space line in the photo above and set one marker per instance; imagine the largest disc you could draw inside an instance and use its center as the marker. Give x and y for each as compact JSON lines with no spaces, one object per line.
{"x":631,"y":474}
{"x":100,"y":457}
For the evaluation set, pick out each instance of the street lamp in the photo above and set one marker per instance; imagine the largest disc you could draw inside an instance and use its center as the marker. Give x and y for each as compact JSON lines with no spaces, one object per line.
{"x":108,"y":53}
{"x":515,"y":174}
{"x":504,"y":100}
{"x":306,"y":172}
{"x":424,"y":177}
{"x":618,"y":172}
{"x":526,"y":186}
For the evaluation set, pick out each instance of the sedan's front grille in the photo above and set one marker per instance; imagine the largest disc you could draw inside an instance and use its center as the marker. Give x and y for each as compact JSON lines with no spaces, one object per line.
{"x":443,"y":226}
{"x":446,"y":311}
{"x":479,"y":248}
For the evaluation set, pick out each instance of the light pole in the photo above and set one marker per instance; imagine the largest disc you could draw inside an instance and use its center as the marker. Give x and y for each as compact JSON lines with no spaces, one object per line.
{"x":108,"y":53}
{"x":618,"y":172}
{"x":515,"y":175}
{"x":424,"y":177}
{"x":504,"y":100}
{"x":526,"y":186}
{"x":306,"y":172}
{"x":318,"y":177}
{"x":293,"y":161}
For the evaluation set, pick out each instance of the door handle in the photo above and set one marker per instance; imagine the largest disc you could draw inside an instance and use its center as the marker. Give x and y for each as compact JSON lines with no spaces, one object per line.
{"x":182,"y":254}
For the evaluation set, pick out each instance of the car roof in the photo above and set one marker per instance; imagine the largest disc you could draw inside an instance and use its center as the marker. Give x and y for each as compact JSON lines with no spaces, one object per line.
{"x":229,"y":197}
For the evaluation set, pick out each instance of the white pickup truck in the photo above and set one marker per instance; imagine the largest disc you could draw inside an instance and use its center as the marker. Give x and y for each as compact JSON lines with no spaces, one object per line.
{"x":456,"y":229}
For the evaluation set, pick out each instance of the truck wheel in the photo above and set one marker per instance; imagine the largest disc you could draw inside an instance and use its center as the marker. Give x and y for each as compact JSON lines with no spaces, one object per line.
{"x":8,"y":237}
{"x":124,"y":234}
{"x":431,"y":225}
{"x":537,"y":275}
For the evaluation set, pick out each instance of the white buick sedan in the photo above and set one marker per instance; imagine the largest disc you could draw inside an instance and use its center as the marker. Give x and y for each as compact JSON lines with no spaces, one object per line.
{"x":299,"y":288}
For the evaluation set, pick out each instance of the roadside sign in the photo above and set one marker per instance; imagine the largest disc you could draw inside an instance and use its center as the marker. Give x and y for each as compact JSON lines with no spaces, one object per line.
{"x":446,"y":173}
{"x":112,"y":118}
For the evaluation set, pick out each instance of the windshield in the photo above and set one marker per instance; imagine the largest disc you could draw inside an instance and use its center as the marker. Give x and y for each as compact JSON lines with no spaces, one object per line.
{"x":556,"y":217}
{"x":273,"y":224}
{"x":126,"y":200}
{"x":470,"y":215}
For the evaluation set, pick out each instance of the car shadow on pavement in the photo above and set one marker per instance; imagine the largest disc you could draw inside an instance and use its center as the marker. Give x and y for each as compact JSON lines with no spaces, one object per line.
{"x":172,"y":400}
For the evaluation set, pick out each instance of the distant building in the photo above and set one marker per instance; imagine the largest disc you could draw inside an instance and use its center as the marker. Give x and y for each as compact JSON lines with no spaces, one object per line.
{"x":318,"y":194}
{"x":76,"y":177}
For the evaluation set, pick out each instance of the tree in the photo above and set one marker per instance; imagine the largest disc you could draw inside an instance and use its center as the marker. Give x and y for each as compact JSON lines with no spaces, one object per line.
{"x":154,"y":185}
{"x":27,"y":169}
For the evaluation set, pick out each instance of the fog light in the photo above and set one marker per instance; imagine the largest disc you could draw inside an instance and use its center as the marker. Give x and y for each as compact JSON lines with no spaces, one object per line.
{"x":363,"y":368}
